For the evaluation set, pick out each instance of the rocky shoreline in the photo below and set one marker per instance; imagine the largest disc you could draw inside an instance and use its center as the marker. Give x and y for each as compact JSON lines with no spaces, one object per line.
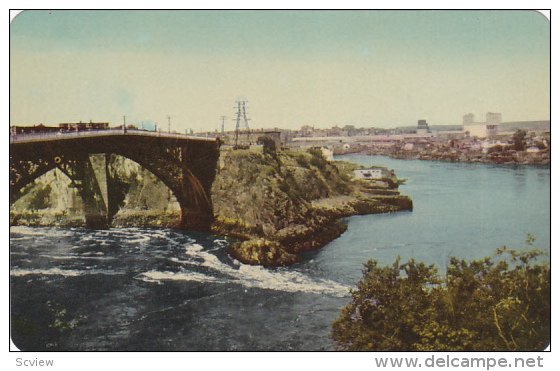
{"x":282,"y":248}
{"x":504,"y":157}
{"x":291,"y":202}
{"x":272,"y":206}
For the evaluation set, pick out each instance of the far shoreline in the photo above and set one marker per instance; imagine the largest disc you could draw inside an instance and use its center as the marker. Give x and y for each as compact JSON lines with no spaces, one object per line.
{"x":416,"y":157}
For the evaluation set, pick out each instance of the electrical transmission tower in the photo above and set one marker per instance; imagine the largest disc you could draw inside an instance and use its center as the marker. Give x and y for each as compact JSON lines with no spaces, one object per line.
{"x":241,"y":116}
{"x":223,"y":123}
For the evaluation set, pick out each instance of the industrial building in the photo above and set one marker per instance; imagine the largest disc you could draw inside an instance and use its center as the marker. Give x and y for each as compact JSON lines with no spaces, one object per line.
{"x":482,"y":129}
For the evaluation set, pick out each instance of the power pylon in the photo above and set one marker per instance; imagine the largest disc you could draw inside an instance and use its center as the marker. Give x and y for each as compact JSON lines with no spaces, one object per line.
{"x":223,"y":123}
{"x":241,"y":115}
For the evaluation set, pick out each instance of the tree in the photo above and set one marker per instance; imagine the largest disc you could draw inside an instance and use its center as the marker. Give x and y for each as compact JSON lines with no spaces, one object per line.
{"x":317,"y":158}
{"x":494,"y":304}
{"x":269,"y":145}
{"x":41,"y":198}
{"x":350,"y":129}
{"x":519,"y":140}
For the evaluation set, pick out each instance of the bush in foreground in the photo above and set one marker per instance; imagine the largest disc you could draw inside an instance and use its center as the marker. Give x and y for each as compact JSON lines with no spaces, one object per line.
{"x":498,"y":303}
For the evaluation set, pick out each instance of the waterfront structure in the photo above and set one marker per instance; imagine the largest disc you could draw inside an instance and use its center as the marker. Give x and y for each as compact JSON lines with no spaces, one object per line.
{"x":482,"y":129}
{"x":493,"y":121}
{"x":475,"y":130}
{"x":370,"y":174}
{"x":423,"y":127}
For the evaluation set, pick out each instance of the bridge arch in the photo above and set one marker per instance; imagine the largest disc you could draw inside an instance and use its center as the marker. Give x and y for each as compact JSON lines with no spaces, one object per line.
{"x":186,"y":167}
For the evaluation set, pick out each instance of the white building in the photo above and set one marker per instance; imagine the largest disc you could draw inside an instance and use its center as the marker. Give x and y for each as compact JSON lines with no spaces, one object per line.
{"x":327,"y":153}
{"x":482,"y":129}
{"x":369,"y":173}
{"x":493,"y":118}
{"x":476,"y":129}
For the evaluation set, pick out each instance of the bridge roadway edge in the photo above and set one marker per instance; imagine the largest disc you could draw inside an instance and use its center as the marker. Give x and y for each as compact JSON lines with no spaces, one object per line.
{"x":186,"y":165}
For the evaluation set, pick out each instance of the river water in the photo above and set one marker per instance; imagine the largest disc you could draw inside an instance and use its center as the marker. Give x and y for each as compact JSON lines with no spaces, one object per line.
{"x":148,"y":289}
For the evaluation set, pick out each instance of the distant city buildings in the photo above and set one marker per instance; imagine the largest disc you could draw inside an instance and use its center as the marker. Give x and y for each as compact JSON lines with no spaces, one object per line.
{"x":493,"y":118}
{"x":468,"y":119}
{"x":482,"y":129}
{"x":423,"y":127}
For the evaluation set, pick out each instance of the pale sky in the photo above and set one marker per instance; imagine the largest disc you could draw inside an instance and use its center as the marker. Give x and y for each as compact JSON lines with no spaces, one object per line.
{"x":322,"y":68}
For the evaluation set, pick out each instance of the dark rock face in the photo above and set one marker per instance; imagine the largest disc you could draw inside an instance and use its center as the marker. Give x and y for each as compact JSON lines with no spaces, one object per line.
{"x":139,"y":199}
{"x":288,"y":203}
{"x":262,"y":252}
{"x":277,"y":206}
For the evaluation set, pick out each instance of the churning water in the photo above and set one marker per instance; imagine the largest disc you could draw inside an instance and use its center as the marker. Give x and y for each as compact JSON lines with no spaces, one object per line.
{"x":162,"y":289}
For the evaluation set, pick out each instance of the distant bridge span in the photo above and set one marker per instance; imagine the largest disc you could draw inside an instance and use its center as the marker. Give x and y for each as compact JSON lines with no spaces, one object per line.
{"x":185,"y":164}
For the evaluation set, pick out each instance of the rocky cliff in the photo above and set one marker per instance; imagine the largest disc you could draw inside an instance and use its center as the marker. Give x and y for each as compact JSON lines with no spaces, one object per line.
{"x":276,"y":204}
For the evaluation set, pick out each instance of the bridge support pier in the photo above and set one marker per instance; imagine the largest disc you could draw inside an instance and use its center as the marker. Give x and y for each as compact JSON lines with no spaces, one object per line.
{"x":195,"y":220}
{"x":96,"y":193}
{"x":186,"y":165}
{"x":89,"y":176}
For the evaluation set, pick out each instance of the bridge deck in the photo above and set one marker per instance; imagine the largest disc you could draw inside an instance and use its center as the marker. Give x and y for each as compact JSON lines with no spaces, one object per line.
{"x":42,"y":137}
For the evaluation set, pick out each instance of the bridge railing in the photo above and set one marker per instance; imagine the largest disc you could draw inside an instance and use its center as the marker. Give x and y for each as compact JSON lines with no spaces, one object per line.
{"x":39,"y":137}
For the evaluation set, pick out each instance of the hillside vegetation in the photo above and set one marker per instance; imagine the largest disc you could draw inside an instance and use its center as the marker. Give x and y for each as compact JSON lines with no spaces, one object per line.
{"x":275,"y":203}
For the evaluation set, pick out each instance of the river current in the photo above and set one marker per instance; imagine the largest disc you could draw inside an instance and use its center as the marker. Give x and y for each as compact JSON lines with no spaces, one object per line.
{"x":163,"y":289}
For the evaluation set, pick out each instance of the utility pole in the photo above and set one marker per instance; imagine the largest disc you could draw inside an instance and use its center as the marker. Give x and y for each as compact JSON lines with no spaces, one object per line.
{"x":124,"y":124}
{"x":168,"y":124}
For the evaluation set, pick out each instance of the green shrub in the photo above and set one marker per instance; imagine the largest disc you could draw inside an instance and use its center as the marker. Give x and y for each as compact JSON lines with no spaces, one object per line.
{"x":494,"y":304}
{"x":41,"y":198}
{"x":317,"y":158}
